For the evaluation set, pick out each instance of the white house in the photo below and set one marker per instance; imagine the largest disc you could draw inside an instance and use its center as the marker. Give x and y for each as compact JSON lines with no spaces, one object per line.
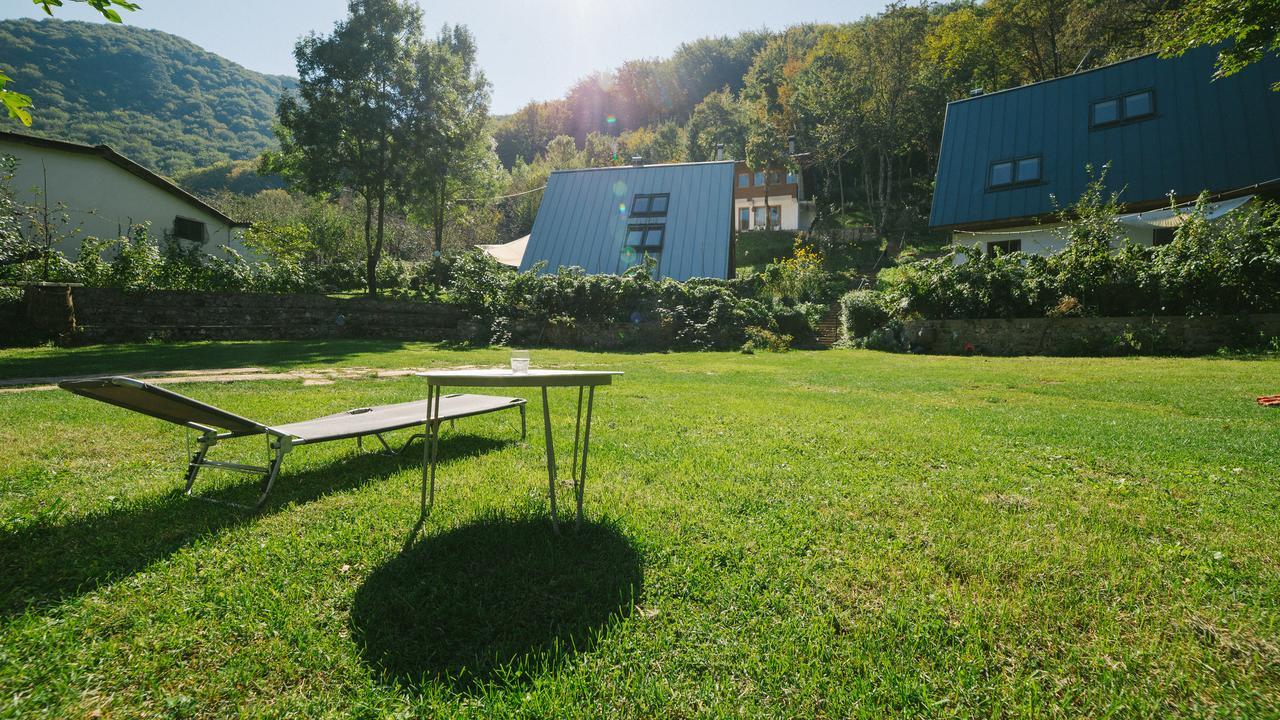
{"x":104,"y":194}
{"x":787,"y":207}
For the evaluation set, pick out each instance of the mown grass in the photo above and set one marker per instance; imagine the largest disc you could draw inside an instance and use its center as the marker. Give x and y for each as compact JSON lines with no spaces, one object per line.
{"x":827,"y":534}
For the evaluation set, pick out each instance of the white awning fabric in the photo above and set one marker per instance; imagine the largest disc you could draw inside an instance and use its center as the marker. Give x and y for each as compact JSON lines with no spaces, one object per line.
{"x":508,"y":253}
{"x":1169,"y":218}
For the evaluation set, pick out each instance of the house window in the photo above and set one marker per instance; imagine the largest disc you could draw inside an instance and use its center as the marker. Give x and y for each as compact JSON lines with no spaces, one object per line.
{"x":1028,"y":170}
{"x":188,"y":229}
{"x":791,"y":178}
{"x":1125,"y":108}
{"x":1105,"y":112}
{"x":642,"y":241}
{"x":1001,"y":174}
{"x":1162,"y":236}
{"x":1008,"y":173}
{"x":759,"y":178}
{"x":1002,"y":247}
{"x":645,"y":237}
{"x":650,"y":205}
{"x":775,"y":217}
{"x":759,"y":219}
{"x":744,"y":218}
{"x":775,"y":178}
{"x":744,"y":180}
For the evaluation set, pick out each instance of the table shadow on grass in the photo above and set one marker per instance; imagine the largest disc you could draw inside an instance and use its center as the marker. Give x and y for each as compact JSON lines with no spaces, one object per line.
{"x":44,"y":564}
{"x":497,"y":600}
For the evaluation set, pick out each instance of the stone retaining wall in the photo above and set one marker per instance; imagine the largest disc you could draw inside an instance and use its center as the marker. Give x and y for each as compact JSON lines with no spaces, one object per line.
{"x":104,"y":315}
{"x":1092,"y":335}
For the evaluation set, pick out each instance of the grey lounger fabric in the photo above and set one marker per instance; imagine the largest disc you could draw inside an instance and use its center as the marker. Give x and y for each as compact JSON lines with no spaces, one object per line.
{"x":216,"y":424}
{"x":386,"y":418}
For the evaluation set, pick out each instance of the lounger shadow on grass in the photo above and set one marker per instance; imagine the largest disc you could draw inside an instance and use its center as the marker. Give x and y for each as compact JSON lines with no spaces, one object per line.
{"x":499,"y":599}
{"x":44,"y":565}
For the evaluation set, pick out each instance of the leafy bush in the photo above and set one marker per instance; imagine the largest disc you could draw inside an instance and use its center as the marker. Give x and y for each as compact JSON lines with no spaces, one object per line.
{"x":759,"y":338}
{"x":861,"y":312}
{"x":1225,"y":266}
{"x":507,"y":306}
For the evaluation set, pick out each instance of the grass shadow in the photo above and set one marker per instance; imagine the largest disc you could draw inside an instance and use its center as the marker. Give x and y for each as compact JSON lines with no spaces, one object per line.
{"x":44,"y":564}
{"x":497,"y":600}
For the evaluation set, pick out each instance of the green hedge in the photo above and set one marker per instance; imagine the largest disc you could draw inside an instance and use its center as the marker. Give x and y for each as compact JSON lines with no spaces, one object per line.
{"x":1228,"y":266}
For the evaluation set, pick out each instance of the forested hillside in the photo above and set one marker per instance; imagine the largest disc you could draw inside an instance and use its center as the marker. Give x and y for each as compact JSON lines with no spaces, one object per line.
{"x":153,"y":96}
{"x":863,"y":101}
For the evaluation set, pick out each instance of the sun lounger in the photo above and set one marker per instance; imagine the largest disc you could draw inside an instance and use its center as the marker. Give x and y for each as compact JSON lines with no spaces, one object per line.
{"x":215,"y":424}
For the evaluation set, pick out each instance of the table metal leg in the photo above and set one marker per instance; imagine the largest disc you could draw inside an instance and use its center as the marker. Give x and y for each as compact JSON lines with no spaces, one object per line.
{"x":551,"y":460}
{"x":431,"y":451}
{"x":580,"y":480}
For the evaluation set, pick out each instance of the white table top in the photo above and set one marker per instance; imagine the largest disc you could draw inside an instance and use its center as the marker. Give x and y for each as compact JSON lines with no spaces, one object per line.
{"x":503,"y":377}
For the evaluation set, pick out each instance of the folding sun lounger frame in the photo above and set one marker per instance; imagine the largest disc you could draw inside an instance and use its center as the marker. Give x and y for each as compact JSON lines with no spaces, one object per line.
{"x":215,"y":424}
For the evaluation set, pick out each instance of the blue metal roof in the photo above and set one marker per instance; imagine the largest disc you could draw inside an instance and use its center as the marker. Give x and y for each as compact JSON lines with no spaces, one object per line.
{"x":1205,"y":135}
{"x":584,"y":215}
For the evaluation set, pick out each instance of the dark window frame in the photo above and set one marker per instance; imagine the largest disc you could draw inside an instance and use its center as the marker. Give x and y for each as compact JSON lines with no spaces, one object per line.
{"x":1162,"y":236}
{"x":1122,"y":118}
{"x":642,"y":205}
{"x":1014,"y":182}
{"x":744,"y":211}
{"x":195,"y":224}
{"x":646,"y":229}
{"x":1004,"y":246}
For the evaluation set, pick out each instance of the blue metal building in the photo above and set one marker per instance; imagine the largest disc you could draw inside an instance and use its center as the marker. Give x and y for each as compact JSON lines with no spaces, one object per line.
{"x":604,"y":220}
{"x":1164,"y":125}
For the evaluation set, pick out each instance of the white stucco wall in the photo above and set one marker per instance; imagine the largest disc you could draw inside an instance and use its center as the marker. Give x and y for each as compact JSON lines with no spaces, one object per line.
{"x":1037,"y":239}
{"x":791,"y":217}
{"x":104,"y":200}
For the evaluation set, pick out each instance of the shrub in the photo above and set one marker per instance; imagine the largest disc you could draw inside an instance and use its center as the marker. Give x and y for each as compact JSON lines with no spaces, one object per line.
{"x":861,"y":312}
{"x":1226,"y":266}
{"x":759,"y":338}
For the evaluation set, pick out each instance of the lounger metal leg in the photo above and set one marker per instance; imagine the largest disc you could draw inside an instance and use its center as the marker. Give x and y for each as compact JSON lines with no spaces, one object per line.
{"x":207,"y":440}
{"x":281,"y":447}
{"x":551,"y":460}
{"x":523,"y":428}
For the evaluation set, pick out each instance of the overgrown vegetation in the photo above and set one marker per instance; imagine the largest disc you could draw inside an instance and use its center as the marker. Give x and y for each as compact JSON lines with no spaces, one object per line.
{"x":1225,"y":266}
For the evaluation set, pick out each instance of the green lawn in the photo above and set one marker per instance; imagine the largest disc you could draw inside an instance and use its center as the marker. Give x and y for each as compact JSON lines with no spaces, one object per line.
{"x":825,"y":534}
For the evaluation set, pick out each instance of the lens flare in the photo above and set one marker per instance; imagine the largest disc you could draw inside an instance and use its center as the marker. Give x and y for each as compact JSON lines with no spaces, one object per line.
{"x":610,"y":119}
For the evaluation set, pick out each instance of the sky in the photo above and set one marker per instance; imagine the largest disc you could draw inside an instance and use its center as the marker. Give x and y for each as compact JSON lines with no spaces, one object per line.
{"x":530,"y":50}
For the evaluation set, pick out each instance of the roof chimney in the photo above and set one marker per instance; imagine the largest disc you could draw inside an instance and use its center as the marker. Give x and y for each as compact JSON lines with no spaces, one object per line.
{"x":976,"y":92}
{"x":637,"y":161}
{"x":720,"y":151}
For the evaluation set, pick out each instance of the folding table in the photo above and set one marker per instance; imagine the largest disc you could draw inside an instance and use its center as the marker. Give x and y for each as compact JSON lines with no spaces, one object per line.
{"x":584,"y":380}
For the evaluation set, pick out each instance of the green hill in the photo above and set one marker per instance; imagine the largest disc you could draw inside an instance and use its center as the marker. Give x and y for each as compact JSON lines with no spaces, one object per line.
{"x":155,"y":97}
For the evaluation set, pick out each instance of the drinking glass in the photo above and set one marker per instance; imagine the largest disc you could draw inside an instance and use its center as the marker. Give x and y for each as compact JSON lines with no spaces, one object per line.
{"x":520,"y":362}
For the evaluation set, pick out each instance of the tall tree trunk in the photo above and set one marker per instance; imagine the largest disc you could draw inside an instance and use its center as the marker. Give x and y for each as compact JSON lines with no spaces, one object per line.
{"x":768,"y":213}
{"x":439,"y":232}
{"x":370,"y":278}
{"x":376,"y":255}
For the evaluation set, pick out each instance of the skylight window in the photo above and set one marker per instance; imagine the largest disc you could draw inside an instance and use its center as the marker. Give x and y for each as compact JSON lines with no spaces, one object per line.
{"x":1011,"y":173}
{"x":1122,"y":109}
{"x":642,"y":241}
{"x":645,"y":237}
{"x":654,"y":205}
